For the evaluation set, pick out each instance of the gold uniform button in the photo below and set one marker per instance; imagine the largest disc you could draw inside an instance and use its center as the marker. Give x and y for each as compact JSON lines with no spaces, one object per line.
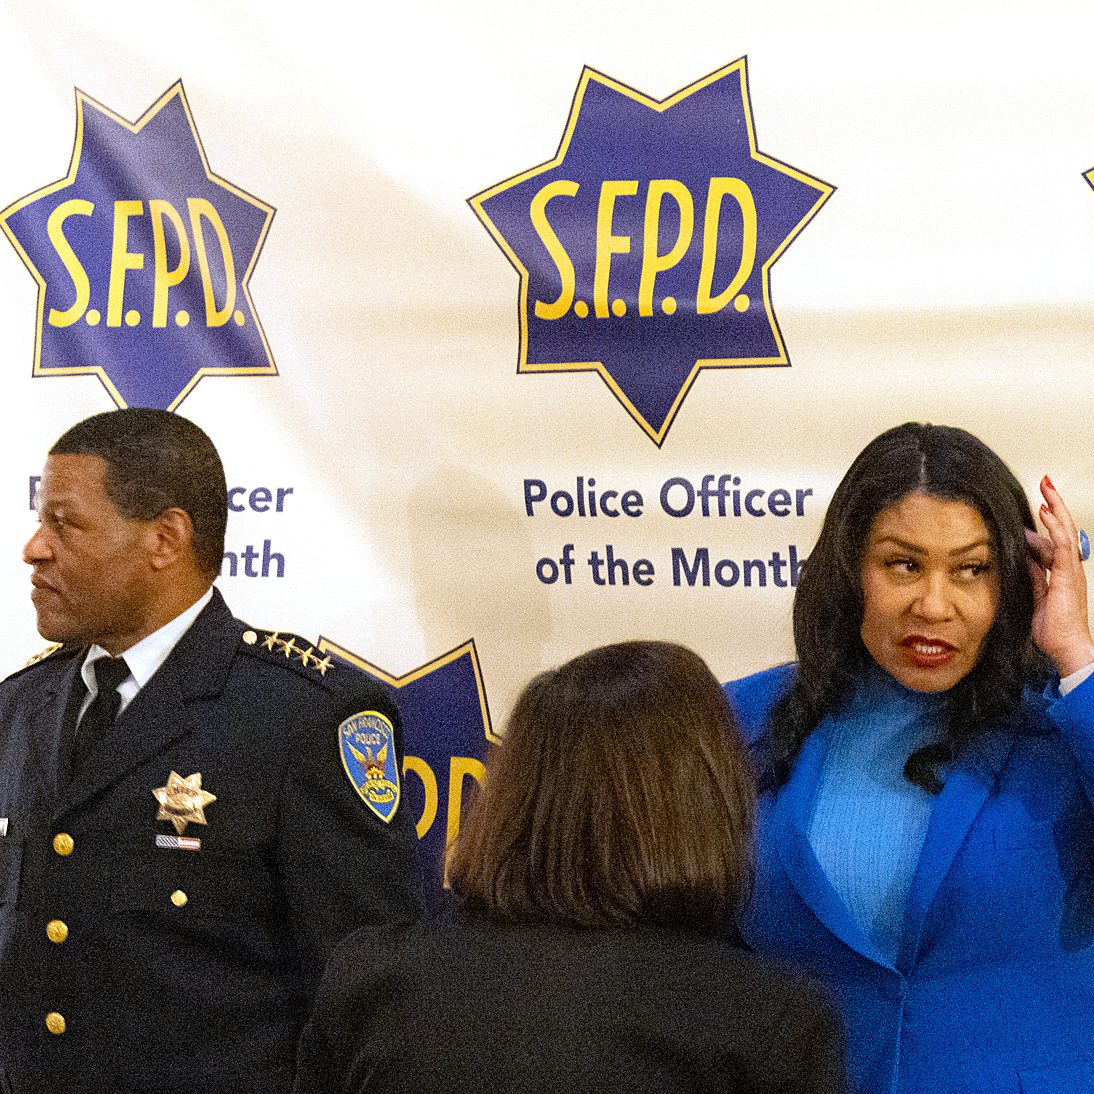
{"x":55,"y":1023}
{"x":250,"y":637}
{"x":179,"y":898}
{"x":57,"y":930}
{"x":63,"y":843}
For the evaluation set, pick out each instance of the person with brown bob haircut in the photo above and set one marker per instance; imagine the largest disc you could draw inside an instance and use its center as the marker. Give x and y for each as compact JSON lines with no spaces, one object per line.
{"x":596,"y":872}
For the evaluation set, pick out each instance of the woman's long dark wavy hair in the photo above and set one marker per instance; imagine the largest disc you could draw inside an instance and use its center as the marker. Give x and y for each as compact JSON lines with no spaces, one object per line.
{"x":941,"y":462}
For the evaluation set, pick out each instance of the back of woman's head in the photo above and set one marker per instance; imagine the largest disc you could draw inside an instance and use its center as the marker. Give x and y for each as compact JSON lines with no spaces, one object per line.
{"x":621,"y":796}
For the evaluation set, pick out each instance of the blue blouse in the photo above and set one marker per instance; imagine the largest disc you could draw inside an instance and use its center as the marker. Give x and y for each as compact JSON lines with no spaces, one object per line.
{"x":868,"y":823}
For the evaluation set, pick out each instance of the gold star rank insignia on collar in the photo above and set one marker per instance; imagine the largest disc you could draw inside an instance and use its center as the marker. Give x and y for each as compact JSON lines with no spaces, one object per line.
{"x":293,"y":649}
{"x":53,"y":647}
{"x":182,"y":801}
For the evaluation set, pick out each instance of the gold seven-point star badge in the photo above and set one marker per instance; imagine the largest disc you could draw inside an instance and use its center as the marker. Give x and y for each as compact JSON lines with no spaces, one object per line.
{"x":183,"y":800}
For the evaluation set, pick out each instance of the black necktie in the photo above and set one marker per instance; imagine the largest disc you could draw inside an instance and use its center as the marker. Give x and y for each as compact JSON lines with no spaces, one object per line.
{"x":99,"y":717}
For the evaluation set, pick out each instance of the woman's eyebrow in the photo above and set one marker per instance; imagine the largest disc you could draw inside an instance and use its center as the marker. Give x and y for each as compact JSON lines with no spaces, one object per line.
{"x":917,"y":549}
{"x":984,"y":542}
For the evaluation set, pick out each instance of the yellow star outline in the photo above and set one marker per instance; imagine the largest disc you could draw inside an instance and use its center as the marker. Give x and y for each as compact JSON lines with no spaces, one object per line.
{"x":416,"y":763}
{"x":323,"y":665}
{"x":83,"y":102}
{"x":182,"y":801}
{"x":289,"y":647}
{"x":588,"y":75}
{"x":271,"y":640}
{"x":467,"y":649}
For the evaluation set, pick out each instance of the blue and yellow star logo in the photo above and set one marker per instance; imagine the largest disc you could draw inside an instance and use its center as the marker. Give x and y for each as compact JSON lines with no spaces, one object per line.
{"x":645,"y":246}
{"x":143,"y":258}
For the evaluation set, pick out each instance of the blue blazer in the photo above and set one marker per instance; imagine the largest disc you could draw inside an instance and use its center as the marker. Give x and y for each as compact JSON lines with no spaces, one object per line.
{"x":992,"y":991}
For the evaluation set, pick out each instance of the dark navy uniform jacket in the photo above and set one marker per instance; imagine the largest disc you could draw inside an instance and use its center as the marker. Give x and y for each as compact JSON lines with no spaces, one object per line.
{"x":127,"y":966}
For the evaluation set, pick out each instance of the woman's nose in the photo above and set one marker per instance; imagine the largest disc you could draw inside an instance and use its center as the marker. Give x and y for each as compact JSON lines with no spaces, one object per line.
{"x":933,"y":602}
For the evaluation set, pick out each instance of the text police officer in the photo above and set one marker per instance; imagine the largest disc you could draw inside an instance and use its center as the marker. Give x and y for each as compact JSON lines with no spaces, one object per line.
{"x":184,"y":833}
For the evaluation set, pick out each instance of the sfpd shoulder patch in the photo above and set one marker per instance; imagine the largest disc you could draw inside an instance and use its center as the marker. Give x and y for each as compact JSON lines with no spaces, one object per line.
{"x":367,"y":744}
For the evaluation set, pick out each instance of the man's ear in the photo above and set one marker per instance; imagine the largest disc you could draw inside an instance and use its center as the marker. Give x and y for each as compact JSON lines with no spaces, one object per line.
{"x":171,"y":537}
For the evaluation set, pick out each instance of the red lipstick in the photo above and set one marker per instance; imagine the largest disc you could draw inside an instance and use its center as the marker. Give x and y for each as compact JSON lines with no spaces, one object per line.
{"x":927,"y":653}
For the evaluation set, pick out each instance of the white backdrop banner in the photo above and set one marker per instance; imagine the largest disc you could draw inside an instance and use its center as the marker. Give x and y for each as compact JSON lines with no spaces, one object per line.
{"x":523,"y":330}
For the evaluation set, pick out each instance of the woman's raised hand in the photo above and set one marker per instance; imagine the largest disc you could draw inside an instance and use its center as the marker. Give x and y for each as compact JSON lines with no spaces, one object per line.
{"x":1060,"y":624}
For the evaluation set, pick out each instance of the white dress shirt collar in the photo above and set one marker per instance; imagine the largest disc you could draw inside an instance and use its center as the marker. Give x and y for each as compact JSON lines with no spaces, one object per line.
{"x":143,"y":657}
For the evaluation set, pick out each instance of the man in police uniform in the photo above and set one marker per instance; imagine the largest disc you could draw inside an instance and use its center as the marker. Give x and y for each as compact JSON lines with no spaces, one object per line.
{"x":174,"y":873}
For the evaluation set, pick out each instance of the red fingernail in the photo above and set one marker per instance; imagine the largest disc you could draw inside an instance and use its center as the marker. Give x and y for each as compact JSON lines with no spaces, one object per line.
{"x":1044,"y":508}
{"x":1048,"y":482}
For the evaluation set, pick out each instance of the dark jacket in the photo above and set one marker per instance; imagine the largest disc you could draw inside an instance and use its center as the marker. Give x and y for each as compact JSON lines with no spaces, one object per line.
{"x":538,"y":1009}
{"x":184,"y":969}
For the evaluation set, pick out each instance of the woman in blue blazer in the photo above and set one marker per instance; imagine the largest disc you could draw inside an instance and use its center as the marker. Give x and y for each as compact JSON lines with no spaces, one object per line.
{"x":927,"y":769}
